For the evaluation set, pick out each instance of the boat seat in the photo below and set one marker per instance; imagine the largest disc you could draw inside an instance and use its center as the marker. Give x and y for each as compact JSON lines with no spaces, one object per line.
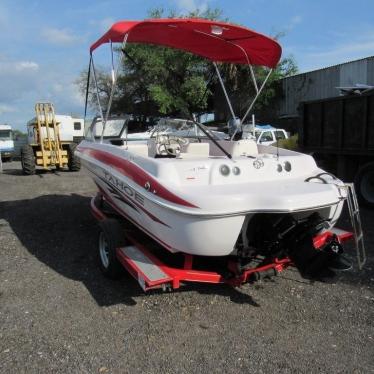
{"x":243,"y":147}
{"x":139,"y":149}
{"x":195,"y":150}
{"x":192,"y":149}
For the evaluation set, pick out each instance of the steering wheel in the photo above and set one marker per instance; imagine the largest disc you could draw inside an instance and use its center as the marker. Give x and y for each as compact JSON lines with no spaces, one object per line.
{"x":170,"y":144}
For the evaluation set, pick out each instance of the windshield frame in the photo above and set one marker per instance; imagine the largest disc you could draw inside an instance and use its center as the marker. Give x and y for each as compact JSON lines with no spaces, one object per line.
{"x":196,"y":131}
{"x":90,"y":133}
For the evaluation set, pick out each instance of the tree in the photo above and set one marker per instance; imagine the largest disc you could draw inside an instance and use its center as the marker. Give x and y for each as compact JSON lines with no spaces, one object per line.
{"x":18,"y":134}
{"x":163,"y":81}
{"x":241,"y":89}
{"x":156,"y":80}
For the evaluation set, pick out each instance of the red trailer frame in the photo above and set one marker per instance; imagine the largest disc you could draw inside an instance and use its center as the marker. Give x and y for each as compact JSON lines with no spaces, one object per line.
{"x":172,"y":277}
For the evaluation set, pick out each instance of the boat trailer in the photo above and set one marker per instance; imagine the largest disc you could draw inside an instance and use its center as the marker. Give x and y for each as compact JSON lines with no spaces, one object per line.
{"x":152,"y":272}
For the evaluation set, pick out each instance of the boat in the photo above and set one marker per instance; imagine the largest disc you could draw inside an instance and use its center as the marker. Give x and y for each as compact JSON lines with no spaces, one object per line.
{"x":199,"y":194}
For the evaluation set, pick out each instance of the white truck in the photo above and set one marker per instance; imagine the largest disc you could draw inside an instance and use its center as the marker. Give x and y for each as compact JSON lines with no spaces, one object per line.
{"x":6,"y":142}
{"x":71,"y":129}
{"x":264,"y":134}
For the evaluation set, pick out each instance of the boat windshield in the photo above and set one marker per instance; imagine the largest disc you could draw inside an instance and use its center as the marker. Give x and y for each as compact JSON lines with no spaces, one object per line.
{"x":135,"y":130}
{"x":183,"y":128}
{"x":113,"y":129}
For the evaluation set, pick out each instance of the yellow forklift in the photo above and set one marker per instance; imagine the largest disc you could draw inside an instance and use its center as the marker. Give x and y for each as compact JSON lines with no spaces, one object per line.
{"x":46,"y":149}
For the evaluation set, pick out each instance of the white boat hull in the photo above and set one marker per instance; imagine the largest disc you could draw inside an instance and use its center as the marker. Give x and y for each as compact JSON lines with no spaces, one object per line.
{"x":201,"y":226}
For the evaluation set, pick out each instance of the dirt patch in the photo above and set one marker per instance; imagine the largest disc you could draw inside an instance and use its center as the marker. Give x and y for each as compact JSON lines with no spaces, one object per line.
{"x":58,"y":313}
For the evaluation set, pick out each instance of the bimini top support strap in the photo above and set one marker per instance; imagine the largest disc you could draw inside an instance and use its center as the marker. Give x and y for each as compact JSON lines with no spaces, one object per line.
{"x":96,"y":88}
{"x":257,"y":95}
{"x":114,"y":81}
{"x":253,"y":78}
{"x":87,"y":87}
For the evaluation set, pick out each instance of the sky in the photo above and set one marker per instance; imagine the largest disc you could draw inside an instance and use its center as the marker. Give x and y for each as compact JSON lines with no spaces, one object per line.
{"x":45,"y":44}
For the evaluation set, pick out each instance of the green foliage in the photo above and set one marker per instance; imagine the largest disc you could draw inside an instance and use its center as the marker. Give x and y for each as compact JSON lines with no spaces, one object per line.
{"x":175,"y":81}
{"x":241,"y":89}
{"x":292,"y":143}
{"x":208,"y":13}
{"x":18,"y":134}
{"x":156,"y":80}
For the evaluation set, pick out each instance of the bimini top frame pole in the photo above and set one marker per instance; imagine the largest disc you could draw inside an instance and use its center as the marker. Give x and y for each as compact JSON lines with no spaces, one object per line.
{"x":114,"y":84}
{"x":258,"y":92}
{"x":114,"y":75}
{"x":257,"y":95}
{"x":224,"y":91}
{"x":96,"y":88}
{"x":216,"y":41}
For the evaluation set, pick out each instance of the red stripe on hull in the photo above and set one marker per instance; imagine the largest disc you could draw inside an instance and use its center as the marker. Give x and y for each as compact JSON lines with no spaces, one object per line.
{"x":135,"y":173}
{"x":154,"y":218}
{"x":127,"y":216}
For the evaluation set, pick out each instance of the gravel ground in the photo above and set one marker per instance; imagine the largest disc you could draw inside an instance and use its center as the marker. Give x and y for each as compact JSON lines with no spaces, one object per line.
{"x":58,"y":313}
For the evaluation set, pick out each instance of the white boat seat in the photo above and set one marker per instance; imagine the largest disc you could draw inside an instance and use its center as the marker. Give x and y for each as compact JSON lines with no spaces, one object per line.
{"x":195,"y":149}
{"x":139,"y":149}
{"x":243,"y":147}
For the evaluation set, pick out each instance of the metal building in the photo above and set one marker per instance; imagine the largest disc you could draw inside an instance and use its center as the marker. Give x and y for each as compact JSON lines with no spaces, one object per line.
{"x":322,"y":83}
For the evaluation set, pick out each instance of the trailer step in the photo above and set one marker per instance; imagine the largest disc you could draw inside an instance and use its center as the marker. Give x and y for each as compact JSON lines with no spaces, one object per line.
{"x":354,"y":213}
{"x":149,"y":275}
{"x":343,"y":235}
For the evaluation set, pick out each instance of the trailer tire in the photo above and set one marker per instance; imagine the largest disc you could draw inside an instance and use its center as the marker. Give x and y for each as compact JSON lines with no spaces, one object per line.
{"x":27,"y":160}
{"x":364,"y":183}
{"x":111,"y":237}
{"x":74,"y":163}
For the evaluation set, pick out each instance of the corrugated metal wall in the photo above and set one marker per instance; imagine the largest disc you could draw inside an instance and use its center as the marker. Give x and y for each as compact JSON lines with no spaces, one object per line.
{"x":321,"y":84}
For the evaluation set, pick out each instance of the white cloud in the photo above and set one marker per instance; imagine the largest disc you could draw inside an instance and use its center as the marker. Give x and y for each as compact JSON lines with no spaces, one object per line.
{"x":295,"y":20}
{"x":5,"y":108}
{"x":191,"y":5}
{"x":15,"y":67}
{"x":16,"y":77}
{"x":26,"y":65}
{"x":104,"y":24}
{"x":61,"y":37}
{"x":344,"y":51}
{"x":350,"y":50}
{"x":23,"y":83}
{"x":58,"y":87}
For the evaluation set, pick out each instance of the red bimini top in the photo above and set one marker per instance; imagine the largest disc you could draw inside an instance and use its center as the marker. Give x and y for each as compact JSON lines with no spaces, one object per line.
{"x":216,"y":41}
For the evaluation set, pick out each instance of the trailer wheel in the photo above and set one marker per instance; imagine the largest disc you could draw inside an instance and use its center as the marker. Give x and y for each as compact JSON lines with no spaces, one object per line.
{"x":111,"y":237}
{"x":27,"y":160}
{"x":74,"y":163}
{"x":364,"y":183}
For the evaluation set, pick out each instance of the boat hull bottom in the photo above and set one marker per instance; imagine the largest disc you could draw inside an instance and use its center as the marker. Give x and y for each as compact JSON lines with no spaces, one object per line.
{"x":210,"y":236}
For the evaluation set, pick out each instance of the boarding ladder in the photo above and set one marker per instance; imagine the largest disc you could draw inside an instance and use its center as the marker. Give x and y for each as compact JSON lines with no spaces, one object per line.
{"x":354,"y":213}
